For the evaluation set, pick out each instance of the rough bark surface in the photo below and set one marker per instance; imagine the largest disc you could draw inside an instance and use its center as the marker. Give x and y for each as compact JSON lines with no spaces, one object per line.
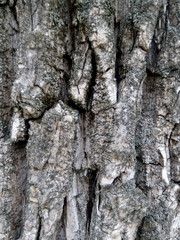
{"x":89,"y":120}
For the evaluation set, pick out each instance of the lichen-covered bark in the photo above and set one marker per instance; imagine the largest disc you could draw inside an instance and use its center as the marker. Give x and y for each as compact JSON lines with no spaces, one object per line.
{"x":89,"y":120}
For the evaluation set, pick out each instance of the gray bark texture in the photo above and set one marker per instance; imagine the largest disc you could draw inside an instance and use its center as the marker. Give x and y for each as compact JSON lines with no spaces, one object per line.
{"x":89,"y":120}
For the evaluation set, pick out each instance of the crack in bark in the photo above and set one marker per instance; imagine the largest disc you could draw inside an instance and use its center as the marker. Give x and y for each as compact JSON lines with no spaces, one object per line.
{"x":84,"y":63}
{"x":139,"y":230}
{"x":83,"y":130}
{"x":166,"y":19}
{"x":175,"y":181}
{"x":39,"y":227}
{"x":61,"y":232}
{"x":90,"y":91}
{"x":117,"y":26}
{"x":14,"y":12}
{"x":158,"y":41}
{"x":99,"y":196}
{"x":20,"y":169}
{"x":71,"y":9}
{"x":92,"y":181}
{"x":67,"y":75}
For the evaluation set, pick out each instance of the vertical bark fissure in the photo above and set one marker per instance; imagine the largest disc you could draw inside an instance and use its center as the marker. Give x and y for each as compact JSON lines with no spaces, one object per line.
{"x":61,"y":233}
{"x":64,"y":90}
{"x":90,"y":91}
{"x":158,"y":41}
{"x":68,"y":62}
{"x":166,"y":19}
{"x":117,"y":26}
{"x":152,"y":58}
{"x":83,"y":130}
{"x":14,"y":12}
{"x":39,"y":227}
{"x":20,"y":186}
{"x":99,"y":194}
{"x":139,"y":230}
{"x":92,"y":181}
{"x":71,"y":10}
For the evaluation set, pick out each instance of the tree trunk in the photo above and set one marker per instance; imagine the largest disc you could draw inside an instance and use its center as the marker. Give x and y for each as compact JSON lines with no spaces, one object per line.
{"x":89,"y":120}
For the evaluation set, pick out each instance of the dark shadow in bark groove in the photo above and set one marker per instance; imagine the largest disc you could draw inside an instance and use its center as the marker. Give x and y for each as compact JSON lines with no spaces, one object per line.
{"x":39,"y":228}
{"x":65,"y":81}
{"x":158,"y":41}
{"x":99,"y":194}
{"x":71,"y":10}
{"x":139,"y":231}
{"x":92,"y":181}
{"x":61,"y":228}
{"x":118,"y":54}
{"x":152,"y":59}
{"x":90,"y":91}
{"x":19,"y":186}
{"x":14,"y":12}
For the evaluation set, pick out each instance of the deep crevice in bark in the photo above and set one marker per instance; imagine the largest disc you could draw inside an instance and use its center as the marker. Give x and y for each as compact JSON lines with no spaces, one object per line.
{"x":152,"y":59}
{"x":99,"y":194}
{"x":139,"y":231}
{"x":67,"y":75}
{"x":176,"y":182}
{"x":90,"y":91}
{"x":19,"y":178}
{"x":92,"y":181}
{"x":71,"y":10}
{"x":158,"y":41}
{"x":31,"y":11}
{"x":83,"y":132}
{"x":134,"y":35}
{"x":39,"y":228}
{"x":117,"y":26}
{"x":61,"y":233}
{"x":73,"y":105}
{"x":14,"y":12}
{"x":117,"y":179}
